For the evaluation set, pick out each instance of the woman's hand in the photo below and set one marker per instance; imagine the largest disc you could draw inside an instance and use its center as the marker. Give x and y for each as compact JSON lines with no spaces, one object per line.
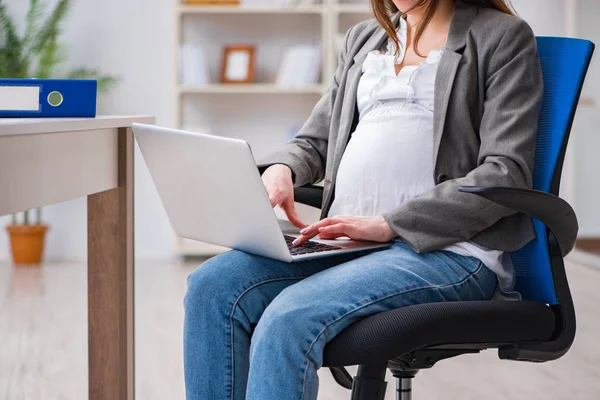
{"x":375,"y":229}
{"x":280,"y":188}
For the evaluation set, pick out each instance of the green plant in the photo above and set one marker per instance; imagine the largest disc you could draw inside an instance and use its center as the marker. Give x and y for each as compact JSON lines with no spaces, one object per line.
{"x":37,"y":53}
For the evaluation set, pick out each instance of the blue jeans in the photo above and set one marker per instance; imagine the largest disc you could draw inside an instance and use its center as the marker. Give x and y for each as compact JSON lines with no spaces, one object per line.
{"x":255,"y":328}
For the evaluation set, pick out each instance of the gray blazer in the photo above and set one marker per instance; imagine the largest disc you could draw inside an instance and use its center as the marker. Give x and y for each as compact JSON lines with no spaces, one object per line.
{"x":488,"y":95}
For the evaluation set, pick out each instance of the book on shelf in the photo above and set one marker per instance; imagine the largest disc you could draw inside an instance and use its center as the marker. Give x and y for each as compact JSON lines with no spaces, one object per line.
{"x":193,"y":65}
{"x":300,"y":66}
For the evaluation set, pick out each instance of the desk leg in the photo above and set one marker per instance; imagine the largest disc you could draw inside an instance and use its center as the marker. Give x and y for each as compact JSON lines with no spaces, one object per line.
{"x":110,"y":283}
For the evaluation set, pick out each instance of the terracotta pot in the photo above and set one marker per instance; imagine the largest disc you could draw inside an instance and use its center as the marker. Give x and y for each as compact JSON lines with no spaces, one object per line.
{"x":27,"y":243}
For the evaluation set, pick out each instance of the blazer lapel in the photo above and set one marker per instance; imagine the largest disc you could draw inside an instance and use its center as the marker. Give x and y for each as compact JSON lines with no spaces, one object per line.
{"x":443,"y":87}
{"x":464,"y":14}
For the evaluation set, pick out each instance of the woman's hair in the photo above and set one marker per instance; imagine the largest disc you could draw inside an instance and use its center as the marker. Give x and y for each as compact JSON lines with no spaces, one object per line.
{"x":384,"y":8}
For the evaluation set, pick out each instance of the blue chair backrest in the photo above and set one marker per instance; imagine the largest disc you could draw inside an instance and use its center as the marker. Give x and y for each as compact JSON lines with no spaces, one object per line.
{"x":564,"y":66}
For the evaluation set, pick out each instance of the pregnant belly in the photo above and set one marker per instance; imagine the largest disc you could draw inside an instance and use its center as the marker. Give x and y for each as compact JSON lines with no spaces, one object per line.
{"x":386,"y":162}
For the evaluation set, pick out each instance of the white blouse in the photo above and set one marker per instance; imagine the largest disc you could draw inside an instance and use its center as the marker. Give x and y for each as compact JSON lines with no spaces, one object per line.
{"x":389,"y":158}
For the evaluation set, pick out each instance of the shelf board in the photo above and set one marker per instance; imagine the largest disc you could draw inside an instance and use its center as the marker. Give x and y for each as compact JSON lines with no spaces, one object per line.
{"x":254,"y":88}
{"x":353,"y":9}
{"x":186,"y":9}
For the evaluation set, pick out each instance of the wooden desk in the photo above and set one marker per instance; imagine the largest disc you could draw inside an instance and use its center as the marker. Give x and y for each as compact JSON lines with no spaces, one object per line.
{"x":46,"y":161}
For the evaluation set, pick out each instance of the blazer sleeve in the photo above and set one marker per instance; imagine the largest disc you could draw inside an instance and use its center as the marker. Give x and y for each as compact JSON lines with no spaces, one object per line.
{"x":513,"y":97}
{"x":306,"y":154}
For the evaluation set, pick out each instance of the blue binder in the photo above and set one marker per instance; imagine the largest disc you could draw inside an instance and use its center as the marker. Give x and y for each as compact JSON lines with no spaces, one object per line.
{"x":43,"y":98}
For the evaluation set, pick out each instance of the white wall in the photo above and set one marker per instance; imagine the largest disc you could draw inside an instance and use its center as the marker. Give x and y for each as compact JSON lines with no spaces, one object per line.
{"x":585,"y":135}
{"x":135,"y":40}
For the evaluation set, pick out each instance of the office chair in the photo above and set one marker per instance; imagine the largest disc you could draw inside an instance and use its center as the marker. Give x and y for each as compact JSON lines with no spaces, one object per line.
{"x":539,"y":328}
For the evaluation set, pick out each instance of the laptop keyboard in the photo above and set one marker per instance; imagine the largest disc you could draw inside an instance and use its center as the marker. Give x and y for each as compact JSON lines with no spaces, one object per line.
{"x":308,"y":247}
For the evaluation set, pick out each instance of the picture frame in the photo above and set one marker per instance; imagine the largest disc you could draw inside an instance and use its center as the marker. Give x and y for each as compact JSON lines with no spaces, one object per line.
{"x":238,"y":64}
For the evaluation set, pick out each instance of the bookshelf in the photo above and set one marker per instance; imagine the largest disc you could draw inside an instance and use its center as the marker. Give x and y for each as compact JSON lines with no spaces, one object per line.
{"x":264,"y":113}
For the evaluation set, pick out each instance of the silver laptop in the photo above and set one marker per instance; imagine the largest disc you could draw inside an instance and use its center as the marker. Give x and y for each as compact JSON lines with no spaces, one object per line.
{"x":212,"y":192}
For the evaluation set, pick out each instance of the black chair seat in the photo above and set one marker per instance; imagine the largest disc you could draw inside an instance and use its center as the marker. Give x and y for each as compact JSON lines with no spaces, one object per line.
{"x":394,"y":333}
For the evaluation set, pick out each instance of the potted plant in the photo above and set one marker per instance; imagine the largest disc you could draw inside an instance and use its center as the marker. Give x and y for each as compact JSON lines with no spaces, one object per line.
{"x":36,"y":54}
{"x":27,"y":239}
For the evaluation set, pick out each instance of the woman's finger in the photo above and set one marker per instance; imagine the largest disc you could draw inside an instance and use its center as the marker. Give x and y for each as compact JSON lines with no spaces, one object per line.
{"x":303,"y":238}
{"x":330,"y":236}
{"x":339,"y":229}
{"x":276,"y":196}
{"x":314,"y":228}
{"x":289,"y":208}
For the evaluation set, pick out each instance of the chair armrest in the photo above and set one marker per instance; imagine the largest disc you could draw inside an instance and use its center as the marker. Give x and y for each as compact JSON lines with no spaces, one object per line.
{"x":310,"y":195}
{"x":550,"y":209}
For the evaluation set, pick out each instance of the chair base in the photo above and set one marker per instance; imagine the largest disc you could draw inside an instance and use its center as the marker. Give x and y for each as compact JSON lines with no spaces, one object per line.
{"x":341,"y":376}
{"x":404,"y":383}
{"x":369,"y":383}
{"x":404,"y":388}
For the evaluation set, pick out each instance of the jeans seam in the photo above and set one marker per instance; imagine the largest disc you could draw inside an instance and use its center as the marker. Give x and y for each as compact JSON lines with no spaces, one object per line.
{"x":231,"y":351}
{"x":436,"y":287}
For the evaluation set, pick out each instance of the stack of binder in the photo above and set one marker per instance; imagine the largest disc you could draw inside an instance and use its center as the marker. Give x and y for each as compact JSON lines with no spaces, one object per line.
{"x":47,"y":98}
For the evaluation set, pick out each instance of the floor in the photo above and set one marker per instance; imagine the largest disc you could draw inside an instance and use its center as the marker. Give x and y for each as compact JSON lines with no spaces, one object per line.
{"x":43,"y":346}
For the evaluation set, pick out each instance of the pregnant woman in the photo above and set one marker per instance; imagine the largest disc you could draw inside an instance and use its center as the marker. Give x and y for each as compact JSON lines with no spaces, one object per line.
{"x":434,"y":95}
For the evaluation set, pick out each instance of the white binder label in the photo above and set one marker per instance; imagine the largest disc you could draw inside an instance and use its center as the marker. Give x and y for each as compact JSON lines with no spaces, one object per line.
{"x":19,"y":98}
